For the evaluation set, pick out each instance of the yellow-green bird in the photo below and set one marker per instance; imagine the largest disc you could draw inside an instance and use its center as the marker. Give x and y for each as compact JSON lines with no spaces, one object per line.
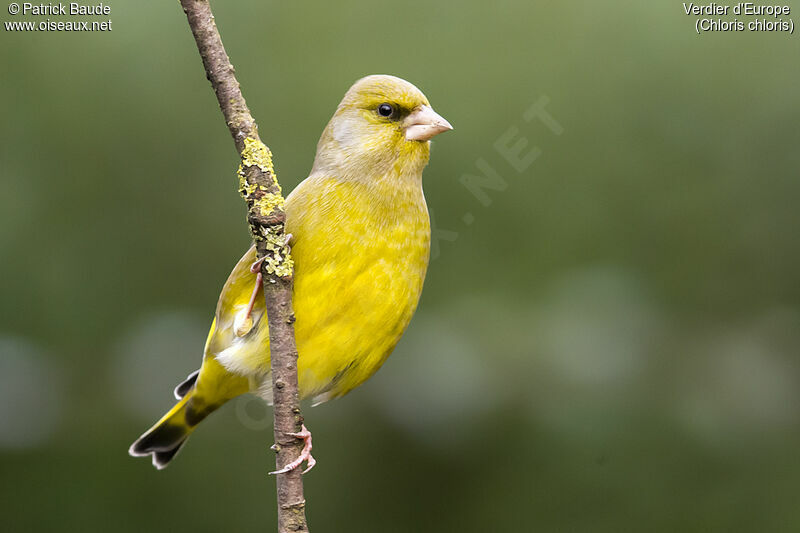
{"x":360,"y":241}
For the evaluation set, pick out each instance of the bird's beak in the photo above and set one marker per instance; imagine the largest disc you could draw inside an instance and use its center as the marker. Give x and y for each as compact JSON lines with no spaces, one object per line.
{"x":424,"y":123}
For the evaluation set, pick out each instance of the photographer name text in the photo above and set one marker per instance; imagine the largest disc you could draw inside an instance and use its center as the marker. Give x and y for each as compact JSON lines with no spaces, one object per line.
{"x":73,"y":9}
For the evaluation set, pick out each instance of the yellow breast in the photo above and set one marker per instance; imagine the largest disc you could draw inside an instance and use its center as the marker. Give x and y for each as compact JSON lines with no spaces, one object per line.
{"x":361,"y":252}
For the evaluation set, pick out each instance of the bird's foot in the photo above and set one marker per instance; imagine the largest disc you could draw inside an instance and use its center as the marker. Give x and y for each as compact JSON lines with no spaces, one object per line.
{"x":244,"y":320}
{"x":305,"y":455}
{"x":256,"y":266}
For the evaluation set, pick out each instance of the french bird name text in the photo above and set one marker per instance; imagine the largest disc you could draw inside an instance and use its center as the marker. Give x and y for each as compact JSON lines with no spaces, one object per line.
{"x":748,"y":9}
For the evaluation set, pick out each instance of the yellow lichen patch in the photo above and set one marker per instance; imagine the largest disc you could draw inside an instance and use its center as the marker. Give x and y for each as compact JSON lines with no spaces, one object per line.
{"x":278,"y":260}
{"x":267,"y":203}
{"x":256,"y":153}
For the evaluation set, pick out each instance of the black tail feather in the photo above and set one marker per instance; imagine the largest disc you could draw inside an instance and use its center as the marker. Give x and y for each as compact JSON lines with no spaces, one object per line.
{"x":165,"y":438}
{"x":186,"y":385}
{"x":162,"y":459}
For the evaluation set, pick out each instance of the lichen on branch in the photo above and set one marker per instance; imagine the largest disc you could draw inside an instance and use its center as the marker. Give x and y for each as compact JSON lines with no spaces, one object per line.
{"x":265,"y":203}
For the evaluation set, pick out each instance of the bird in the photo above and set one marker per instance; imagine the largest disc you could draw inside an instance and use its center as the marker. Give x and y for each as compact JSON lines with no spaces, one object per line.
{"x":359,"y":233}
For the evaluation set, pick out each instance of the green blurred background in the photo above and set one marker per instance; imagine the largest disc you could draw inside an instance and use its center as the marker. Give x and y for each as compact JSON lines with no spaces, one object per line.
{"x":610,"y":345}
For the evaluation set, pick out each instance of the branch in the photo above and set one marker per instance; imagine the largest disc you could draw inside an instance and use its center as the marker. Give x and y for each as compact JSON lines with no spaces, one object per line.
{"x":259,"y":187}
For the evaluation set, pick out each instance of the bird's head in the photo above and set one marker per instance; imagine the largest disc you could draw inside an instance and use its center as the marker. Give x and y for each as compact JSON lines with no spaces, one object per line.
{"x":382,"y":122}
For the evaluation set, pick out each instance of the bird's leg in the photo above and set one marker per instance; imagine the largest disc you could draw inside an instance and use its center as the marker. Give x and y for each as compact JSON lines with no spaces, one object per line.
{"x":243,"y":323}
{"x":255,"y":268}
{"x":305,"y":455}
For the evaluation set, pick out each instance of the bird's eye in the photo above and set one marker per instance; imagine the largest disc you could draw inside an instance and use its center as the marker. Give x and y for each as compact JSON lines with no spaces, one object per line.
{"x":385,"y":110}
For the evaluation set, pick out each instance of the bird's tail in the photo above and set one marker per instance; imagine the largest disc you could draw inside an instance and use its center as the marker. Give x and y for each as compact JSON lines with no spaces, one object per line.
{"x":166,"y":437}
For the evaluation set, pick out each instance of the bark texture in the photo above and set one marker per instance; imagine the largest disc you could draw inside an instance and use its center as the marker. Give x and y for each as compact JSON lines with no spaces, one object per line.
{"x":259,"y":187}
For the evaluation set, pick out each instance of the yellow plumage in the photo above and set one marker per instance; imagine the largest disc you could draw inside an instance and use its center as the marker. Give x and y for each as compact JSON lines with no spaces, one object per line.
{"x":360,"y":241}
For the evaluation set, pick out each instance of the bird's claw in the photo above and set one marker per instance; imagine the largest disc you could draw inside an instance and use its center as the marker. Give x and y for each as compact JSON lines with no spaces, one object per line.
{"x":305,"y":455}
{"x":256,"y":266}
